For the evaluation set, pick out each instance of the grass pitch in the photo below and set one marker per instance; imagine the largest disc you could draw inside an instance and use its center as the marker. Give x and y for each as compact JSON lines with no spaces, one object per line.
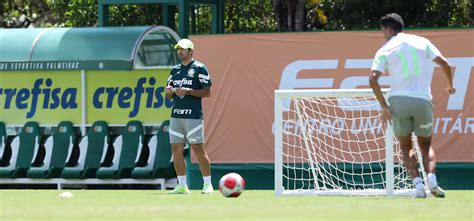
{"x":251,"y":205}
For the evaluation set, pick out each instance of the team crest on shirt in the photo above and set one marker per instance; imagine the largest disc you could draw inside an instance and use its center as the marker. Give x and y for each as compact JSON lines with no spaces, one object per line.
{"x":191,"y":72}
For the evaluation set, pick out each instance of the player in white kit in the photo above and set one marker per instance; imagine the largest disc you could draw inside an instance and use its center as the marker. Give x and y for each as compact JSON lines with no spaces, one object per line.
{"x":407,"y":59}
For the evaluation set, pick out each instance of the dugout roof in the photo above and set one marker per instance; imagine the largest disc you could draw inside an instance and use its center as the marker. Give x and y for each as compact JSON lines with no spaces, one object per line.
{"x":104,"y":48}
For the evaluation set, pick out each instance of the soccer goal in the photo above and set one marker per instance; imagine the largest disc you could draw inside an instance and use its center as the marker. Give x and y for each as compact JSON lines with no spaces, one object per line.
{"x":334,"y":142}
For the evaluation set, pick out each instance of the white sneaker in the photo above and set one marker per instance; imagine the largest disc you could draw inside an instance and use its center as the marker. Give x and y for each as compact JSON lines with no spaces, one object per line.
{"x":437,"y":192}
{"x":420,"y":190}
{"x":434,"y":188}
{"x":207,"y":189}
{"x":420,"y":193}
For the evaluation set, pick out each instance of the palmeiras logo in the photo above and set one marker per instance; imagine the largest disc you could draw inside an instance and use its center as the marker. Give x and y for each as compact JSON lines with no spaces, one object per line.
{"x":62,"y":129}
{"x":132,"y":129}
{"x":97,"y":129}
{"x":29,"y":130}
{"x":191,"y":72}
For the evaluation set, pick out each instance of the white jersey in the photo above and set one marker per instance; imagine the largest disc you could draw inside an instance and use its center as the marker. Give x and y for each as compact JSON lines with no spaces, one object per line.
{"x":408,"y":59}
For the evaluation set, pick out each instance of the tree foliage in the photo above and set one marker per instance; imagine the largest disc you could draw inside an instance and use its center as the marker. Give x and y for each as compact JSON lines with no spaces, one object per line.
{"x":249,"y":16}
{"x":23,"y":14}
{"x":365,"y":14}
{"x":84,"y":13}
{"x":67,"y":13}
{"x":246,"y":15}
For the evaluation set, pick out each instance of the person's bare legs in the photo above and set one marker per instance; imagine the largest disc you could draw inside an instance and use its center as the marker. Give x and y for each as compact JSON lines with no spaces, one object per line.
{"x":429,"y":162}
{"x":409,"y":160}
{"x":180,"y":168}
{"x":427,"y":154}
{"x":205,"y":166}
{"x":203,"y":159}
{"x":432,"y":161}
{"x":178,"y":159}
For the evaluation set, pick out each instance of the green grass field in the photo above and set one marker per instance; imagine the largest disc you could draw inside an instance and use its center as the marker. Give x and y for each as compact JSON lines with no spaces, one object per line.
{"x":252,"y":205}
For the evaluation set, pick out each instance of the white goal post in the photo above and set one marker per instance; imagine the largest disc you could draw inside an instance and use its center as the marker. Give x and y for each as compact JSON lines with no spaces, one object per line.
{"x":333,"y":142}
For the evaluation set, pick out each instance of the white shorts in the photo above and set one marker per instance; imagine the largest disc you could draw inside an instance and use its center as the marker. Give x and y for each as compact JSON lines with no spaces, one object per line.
{"x":186,"y":131}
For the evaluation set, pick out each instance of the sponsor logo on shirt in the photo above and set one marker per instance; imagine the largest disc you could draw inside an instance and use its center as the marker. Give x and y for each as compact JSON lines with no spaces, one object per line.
{"x":182,"y":111}
{"x":182,"y":82}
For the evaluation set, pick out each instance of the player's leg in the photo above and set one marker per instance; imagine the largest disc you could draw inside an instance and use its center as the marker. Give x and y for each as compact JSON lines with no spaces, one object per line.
{"x":180,"y":168}
{"x":429,"y":163}
{"x":402,"y":119}
{"x":423,"y":123}
{"x":409,"y":158}
{"x":178,"y":160}
{"x":425,"y":148}
{"x":435,"y":189}
{"x":177,"y":140}
{"x":203,"y":159}
{"x":195,"y":135}
{"x":205,"y":166}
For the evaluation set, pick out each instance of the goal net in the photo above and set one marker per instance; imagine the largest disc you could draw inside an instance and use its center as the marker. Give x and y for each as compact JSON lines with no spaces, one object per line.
{"x":334,"y":142}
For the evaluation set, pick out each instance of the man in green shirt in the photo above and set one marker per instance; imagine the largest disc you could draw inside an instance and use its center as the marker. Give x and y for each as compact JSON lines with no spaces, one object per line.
{"x":187,"y":84}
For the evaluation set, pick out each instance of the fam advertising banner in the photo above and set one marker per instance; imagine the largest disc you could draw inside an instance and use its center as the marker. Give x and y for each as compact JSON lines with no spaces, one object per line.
{"x":44,"y":96}
{"x":246,"y":69}
{"x":116,"y":97}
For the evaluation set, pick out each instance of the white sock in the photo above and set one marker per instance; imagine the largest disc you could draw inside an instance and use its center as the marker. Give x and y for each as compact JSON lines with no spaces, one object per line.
{"x":432,"y":180}
{"x":207,"y":179}
{"x":182,"y":180}
{"x":418,"y":182}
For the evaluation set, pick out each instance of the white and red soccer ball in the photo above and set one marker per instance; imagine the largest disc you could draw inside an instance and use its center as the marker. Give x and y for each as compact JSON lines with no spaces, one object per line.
{"x":231,"y":185}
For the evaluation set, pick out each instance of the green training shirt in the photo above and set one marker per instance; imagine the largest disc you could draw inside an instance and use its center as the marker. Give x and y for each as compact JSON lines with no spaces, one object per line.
{"x":194,"y":76}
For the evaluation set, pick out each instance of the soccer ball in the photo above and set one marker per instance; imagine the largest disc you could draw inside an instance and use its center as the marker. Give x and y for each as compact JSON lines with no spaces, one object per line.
{"x":231,"y":185}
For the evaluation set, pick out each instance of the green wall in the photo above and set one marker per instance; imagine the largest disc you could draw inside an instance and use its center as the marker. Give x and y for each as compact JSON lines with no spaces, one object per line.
{"x":459,"y":176}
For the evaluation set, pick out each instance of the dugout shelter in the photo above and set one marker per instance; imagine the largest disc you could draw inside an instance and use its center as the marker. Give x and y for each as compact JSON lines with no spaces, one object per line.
{"x":74,"y":67}
{"x":84,"y":75}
